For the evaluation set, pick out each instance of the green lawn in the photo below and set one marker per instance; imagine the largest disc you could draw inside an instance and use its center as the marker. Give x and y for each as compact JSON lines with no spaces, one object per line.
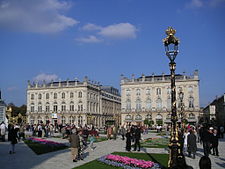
{"x":155,"y":143}
{"x":98,"y":139}
{"x":158,"y":158}
{"x":43,"y":148}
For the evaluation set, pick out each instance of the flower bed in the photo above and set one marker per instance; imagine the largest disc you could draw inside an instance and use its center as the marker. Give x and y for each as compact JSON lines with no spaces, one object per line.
{"x":41,"y":146}
{"x":127,"y":162}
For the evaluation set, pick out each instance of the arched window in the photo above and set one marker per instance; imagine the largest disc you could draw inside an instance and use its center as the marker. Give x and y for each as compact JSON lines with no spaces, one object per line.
{"x":55,"y":95}
{"x":148,"y":91}
{"x":55,"y":107}
{"x":63,"y":95}
{"x":191,"y":102}
{"x":39,"y":119}
{"x":63,"y":120}
{"x":32,"y":120}
{"x":47,"y":107}
{"x":71,"y":106}
{"x":128,"y":104}
{"x":39,"y":96}
{"x":80,"y":120}
{"x":63,"y":106}
{"x":148,"y":116}
{"x":80,"y":106}
{"x":128,"y":92}
{"x":128,"y":117}
{"x":138,"y":104}
{"x":32,"y":107}
{"x":148,"y":104}
{"x":32,"y":97}
{"x":190,"y":89}
{"x":39,"y":107}
{"x":138,"y":92}
{"x":47,"y":95}
{"x":80,"y":94}
{"x":138,"y":117}
{"x":72,"y":119}
{"x":71,"y":95}
{"x":159,"y":104}
{"x":158,"y":91}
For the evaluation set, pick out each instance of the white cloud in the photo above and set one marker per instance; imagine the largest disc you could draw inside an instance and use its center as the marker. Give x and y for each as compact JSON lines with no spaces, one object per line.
{"x":12,"y":88}
{"x":195,"y":4}
{"x":90,"y":39}
{"x":119,"y":31}
{"x":45,"y":77}
{"x":91,"y":27}
{"x":40,"y":16}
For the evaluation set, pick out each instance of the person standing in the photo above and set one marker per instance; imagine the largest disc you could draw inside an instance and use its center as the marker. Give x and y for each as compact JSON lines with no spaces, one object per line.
{"x":3,"y":131}
{"x":206,"y":139}
{"x":191,"y":143}
{"x":123,"y":132}
{"x":14,"y":137}
{"x":186,"y":133}
{"x":137,"y":137}
{"x":215,"y":143}
{"x":128,"y":141}
{"x":75,"y":144}
{"x":39,"y":130}
{"x":109,"y":132}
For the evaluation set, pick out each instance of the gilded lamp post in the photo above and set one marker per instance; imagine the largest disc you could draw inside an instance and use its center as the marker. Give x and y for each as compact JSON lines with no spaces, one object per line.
{"x":171,"y":49}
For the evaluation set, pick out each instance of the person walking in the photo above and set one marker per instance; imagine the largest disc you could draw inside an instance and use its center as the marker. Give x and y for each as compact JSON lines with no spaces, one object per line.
{"x":92,"y":139}
{"x":221,"y":131}
{"x":128,"y":141}
{"x":215,"y":143}
{"x":206,"y":140}
{"x":191,"y":143}
{"x":109,"y":132}
{"x":14,"y":137}
{"x":75,"y":144}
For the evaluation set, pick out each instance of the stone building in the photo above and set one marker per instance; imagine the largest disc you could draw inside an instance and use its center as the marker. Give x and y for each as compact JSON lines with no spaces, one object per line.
{"x":215,"y":111}
{"x":149,"y":97}
{"x":3,"y":111}
{"x":73,"y":102}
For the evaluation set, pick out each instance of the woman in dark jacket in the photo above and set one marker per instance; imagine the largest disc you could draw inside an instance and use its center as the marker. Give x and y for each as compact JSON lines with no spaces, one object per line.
{"x":128,"y":141}
{"x":191,"y":143}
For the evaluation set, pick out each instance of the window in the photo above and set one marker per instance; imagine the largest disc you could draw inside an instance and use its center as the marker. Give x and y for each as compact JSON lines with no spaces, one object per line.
{"x":169,"y":91}
{"x":148,"y":91}
{"x":80,"y":94}
{"x":159,"y":104}
{"x":55,"y":108}
{"x":158,"y":91}
{"x":138,"y":104}
{"x":138,"y":92}
{"x":39,"y":108}
{"x":55,"y":95}
{"x":63,"y":95}
{"x":149,"y":116}
{"x":148,"y":104}
{"x":32,"y":107}
{"x":72,"y":119}
{"x":191,"y":102}
{"x":128,"y":104}
{"x":47,"y":107}
{"x":63,"y":120}
{"x":47,"y":95}
{"x":71,"y":95}
{"x":71,"y":106}
{"x":63,"y":107}
{"x":80,"y":107}
{"x":191,"y":116}
{"x":128,"y":92}
{"x":128,"y":117}
{"x":190,"y":89}
{"x":32,"y":97}
{"x":138,"y":117}
{"x":39,"y":96}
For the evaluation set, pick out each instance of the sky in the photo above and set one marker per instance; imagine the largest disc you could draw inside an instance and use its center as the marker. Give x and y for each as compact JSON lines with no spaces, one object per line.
{"x":102,"y":39}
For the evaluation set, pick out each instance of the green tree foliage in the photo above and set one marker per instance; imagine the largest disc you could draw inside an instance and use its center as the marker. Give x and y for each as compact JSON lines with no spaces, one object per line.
{"x":16,"y":110}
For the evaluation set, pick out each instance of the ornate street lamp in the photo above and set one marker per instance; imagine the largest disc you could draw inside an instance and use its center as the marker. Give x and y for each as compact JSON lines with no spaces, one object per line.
{"x":171,"y":49}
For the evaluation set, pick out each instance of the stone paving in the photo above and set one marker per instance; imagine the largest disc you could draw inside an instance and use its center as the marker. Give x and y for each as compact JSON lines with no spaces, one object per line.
{"x":25,"y":158}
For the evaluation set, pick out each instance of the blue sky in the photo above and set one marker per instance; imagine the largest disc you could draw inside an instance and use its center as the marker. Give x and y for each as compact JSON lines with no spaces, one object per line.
{"x":60,"y":39}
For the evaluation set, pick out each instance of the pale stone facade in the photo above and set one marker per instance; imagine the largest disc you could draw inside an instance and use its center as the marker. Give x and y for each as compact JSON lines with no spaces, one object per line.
{"x":72,"y":102}
{"x":149,"y":97}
